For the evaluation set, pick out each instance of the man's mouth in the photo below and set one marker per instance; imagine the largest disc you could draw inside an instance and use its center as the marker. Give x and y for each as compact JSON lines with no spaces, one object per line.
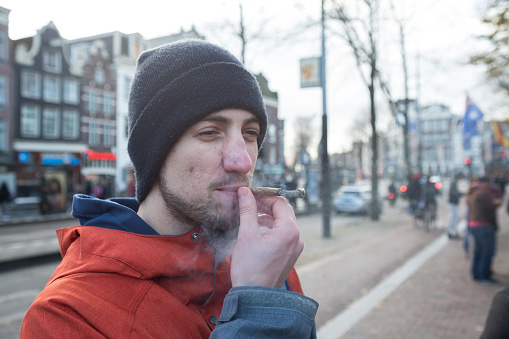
{"x":230,"y":190}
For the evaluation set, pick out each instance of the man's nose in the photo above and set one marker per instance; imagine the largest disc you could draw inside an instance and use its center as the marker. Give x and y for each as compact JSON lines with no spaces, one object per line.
{"x":236,"y":156}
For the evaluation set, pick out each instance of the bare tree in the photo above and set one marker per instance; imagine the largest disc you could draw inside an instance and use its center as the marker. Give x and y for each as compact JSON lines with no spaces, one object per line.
{"x":406,"y":146}
{"x":360,"y":35}
{"x":496,"y":59}
{"x":359,"y":127}
{"x":247,"y":32}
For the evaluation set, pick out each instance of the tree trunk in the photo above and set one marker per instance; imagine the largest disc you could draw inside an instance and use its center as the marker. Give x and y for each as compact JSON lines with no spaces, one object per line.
{"x":374,"y":147}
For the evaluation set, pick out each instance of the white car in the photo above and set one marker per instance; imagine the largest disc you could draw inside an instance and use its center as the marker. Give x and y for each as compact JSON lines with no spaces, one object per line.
{"x":354,"y":198}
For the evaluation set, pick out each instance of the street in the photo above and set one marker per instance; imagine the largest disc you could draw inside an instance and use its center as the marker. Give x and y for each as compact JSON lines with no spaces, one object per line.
{"x":336,"y":272}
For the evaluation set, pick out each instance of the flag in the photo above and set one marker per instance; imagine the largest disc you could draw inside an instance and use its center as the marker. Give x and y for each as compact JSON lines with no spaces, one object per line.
{"x":472,"y":116}
{"x":499,"y":135}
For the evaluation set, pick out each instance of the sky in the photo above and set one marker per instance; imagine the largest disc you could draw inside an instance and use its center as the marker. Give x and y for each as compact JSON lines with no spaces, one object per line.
{"x":439,"y":36}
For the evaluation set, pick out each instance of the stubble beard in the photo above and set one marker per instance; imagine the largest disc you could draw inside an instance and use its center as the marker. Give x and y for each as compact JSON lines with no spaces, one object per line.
{"x":220,"y":224}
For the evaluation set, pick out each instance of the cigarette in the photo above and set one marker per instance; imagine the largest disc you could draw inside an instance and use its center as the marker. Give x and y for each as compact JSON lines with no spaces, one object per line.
{"x":298,"y":193}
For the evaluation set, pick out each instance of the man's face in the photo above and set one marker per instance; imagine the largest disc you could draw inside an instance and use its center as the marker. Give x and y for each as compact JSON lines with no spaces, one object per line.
{"x":202,"y":172}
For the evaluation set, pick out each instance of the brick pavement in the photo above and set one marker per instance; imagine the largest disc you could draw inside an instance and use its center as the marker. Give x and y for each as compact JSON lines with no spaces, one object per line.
{"x":440,"y":300}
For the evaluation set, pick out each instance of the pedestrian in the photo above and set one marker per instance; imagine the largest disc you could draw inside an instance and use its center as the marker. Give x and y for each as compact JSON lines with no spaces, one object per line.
{"x":482,"y":205}
{"x":5,"y":198}
{"x":185,"y":258}
{"x":497,"y":324}
{"x":454,"y":199}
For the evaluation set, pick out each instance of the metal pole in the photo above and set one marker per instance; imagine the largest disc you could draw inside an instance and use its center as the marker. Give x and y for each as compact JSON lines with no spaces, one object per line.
{"x":326,"y":189}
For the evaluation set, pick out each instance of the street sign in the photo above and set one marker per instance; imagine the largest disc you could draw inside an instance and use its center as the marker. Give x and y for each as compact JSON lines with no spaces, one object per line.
{"x":310,"y":72}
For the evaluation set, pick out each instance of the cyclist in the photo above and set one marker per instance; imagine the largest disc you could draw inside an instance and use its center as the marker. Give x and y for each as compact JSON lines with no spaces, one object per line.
{"x":429,"y":195}
{"x":414,"y":192}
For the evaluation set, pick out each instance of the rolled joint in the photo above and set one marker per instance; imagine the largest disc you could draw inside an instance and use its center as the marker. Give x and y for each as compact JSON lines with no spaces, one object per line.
{"x":290,"y":194}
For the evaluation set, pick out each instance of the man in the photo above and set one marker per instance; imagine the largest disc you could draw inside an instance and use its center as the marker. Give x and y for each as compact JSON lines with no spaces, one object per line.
{"x":454,"y":198}
{"x":482,"y":224}
{"x":186,"y":259}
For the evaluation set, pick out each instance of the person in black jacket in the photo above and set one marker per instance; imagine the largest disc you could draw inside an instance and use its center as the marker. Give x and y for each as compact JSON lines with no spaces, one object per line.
{"x":454,"y":198}
{"x":497,"y":324}
{"x":5,"y":197}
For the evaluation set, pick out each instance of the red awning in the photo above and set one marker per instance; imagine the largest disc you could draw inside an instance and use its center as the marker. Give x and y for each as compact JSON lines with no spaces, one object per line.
{"x":100,"y":156}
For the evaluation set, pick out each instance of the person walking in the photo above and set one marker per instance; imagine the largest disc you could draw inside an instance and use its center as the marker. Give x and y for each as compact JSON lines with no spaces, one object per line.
{"x":482,"y":224}
{"x":5,"y":198}
{"x":187,"y":257}
{"x":454,"y":199}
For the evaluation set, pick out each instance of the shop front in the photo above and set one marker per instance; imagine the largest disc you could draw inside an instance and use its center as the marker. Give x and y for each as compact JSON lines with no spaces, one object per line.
{"x":47,"y":180}
{"x":99,"y":173}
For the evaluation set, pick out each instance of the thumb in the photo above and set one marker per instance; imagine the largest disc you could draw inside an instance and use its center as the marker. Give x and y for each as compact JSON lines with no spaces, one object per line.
{"x":247,"y":209}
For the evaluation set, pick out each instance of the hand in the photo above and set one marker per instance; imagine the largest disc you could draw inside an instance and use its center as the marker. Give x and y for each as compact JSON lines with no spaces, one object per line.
{"x":264,"y":259}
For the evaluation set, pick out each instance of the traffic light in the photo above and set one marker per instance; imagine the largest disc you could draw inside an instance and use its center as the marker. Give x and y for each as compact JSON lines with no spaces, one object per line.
{"x":468,"y":162}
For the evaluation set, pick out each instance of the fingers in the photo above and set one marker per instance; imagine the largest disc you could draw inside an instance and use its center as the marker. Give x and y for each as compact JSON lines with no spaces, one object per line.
{"x":278,"y":207}
{"x":248,"y":211}
{"x":266,"y":220}
{"x":264,"y":258}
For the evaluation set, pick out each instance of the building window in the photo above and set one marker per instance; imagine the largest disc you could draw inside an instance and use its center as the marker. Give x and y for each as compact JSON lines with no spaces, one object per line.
{"x":92,"y":104}
{"x":70,"y":123}
{"x":108,"y":103}
{"x":52,"y":61}
{"x":4,"y":90}
{"x":30,"y":84}
{"x":124,"y":48}
{"x":51,"y":123}
{"x":51,"y":92}
{"x":108,"y":135}
{"x":71,"y":91}
{"x":93,"y":133}
{"x":4,"y":46}
{"x":99,"y":76}
{"x":4,"y":135}
{"x":272,"y":156}
{"x":127,"y":85}
{"x":445,"y":125}
{"x":30,"y":120}
{"x":272,"y":133}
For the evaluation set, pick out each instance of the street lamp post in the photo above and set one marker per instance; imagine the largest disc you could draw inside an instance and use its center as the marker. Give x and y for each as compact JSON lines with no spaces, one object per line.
{"x":326,"y":189}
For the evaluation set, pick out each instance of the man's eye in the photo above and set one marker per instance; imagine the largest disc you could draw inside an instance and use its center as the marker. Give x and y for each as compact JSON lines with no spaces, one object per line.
{"x":207,"y":133}
{"x":254,"y":133}
{"x":251,"y":135}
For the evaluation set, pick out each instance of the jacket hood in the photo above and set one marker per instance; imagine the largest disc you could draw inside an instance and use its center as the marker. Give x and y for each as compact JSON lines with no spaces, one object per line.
{"x":114,"y":213}
{"x":111,"y":226}
{"x":94,"y":249}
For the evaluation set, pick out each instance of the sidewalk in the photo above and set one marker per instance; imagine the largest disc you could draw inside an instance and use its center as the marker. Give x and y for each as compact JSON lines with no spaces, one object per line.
{"x":439,"y":300}
{"x":34,"y":217}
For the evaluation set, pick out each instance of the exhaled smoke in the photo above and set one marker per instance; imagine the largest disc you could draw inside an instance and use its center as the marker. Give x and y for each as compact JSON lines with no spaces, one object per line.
{"x":222,"y":240}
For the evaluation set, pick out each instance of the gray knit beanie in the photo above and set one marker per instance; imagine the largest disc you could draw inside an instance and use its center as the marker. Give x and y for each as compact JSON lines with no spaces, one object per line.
{"x":175,"y":86}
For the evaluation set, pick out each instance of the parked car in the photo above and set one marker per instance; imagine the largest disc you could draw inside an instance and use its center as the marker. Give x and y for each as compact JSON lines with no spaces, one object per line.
{"x":354,"y":198}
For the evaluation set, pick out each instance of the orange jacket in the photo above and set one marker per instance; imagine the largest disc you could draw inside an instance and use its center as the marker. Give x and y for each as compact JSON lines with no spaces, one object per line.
{"x":118,"y":284}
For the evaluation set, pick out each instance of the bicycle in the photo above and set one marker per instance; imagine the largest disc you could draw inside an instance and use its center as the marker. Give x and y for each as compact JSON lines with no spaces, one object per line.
{"x":425,"y":215}
{"x":429,"y":217}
